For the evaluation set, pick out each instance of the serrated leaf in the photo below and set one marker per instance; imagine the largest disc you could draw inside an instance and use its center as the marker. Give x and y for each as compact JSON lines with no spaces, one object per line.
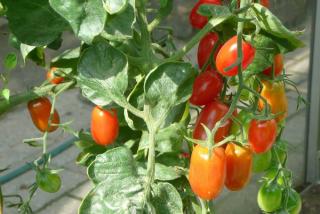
{"x":166,"y":199}
{"x":10,"y":62}
{"x":103,"y":75}
{"x":118,"y":187}
{"x":272,"y":25}
{"x":167,"y":86}
{"x":119,"y":26}
{"x":87,"y":18}
{"x":113,"y":7}
{"x":34,"y":22}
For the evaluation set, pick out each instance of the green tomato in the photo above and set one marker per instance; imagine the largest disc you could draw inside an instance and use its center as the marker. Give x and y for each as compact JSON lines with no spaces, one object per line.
{"x":270,"y":197}
{"x":261,"y":162}
{"x":294,"y":203}
{"x":48,"y":181}
{"x":245,"y":118}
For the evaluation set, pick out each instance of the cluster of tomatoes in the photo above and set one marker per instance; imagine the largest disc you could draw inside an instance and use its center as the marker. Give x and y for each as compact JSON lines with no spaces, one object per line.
{"x":104,"y":123}
{"x":231,"y":165}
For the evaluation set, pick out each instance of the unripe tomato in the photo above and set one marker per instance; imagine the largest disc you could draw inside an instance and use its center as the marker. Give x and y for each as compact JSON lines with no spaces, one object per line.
{"x":52,"y":77}
{"x":239,"y":165}
{"x":262,"y":135}
{"x":275,"y":95}
{"x":262,"y":162}
{"x":39,"y":110}
{"x":207,"y":175}
{"x":205,"y":48}
{"x":244,"y":118}
{"x":270,"y":197}
{"x":196,"y":20}
{"x":206,"y":88}
{"x":294,"y":203}
{"x":278,"y":66}
{"x":104,"y":126}
{"x":209,"y":116}
{"x":228,"y":54}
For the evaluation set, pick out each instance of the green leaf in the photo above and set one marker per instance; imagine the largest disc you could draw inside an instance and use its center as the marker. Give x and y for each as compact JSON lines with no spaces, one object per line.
{"x":168,"y":139}
{"x":162,"y":172}
{"x":34,"y":53}
{"x":166,"y":199}
{"x":113,"y":7}
{"x":118,"y":187}
{"x":167,"y":86}
{"x":214,"y":10}
{"x":10,"y":62}
{"x":5,"y":93}
{"x":272,"y":25}
{"x":34,"y":22}
{"x":119,"y":26}
{"x":103,"y":74}
{"x":87,"y":18}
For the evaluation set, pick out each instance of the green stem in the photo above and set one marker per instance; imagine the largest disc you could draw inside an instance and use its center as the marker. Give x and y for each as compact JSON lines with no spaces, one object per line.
{"x":32,"y":94}
{"x":203,"y":206}
{"x":45,"y":135}
{"x":163,"y":13}
{"x":195,"y":40}
{"x":1,"y":202}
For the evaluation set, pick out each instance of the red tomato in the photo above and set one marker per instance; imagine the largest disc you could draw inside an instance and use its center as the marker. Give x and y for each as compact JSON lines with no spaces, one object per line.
{"x":196,"y":20}
{"x":206,"y":45}
{"x":239,"y":164}
{"x":104,"y":126}
{"x":209,"y":116}
{"x":39,"y":110}
{"x":207,"y":175}
{"x":227,"y":56}
{"x":265,"y":3}
{"x":278,"y":66}
{"x":206,"y":87}
{"x":52,"y":77}
{"x":262,"y":135}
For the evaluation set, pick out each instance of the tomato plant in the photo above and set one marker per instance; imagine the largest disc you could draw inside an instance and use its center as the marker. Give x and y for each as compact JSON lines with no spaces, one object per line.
{"x":239,"y":164}
{"x":39,"y":110}
{"x":207,"y":45}
{"x":228,"y":55}
{"x":207,"y":174}
{"x":104,"y":126}
{"x":139,"y":153}
{"x":206,"y":88}
{"x":262,"y":135}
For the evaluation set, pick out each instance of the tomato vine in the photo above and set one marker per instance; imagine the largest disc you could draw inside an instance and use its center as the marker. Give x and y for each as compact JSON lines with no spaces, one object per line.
{"x":140,"y":148}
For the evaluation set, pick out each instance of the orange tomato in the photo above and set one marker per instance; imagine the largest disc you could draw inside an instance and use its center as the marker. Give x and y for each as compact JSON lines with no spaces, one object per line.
{"x":207,"y":175}
{"x":104,"y":126}
{"x":276,"y":97}
{"x":239,"y":165}
{"x":278,"y":66}
{"x":39,"y":110}
{"x":52,"y":77}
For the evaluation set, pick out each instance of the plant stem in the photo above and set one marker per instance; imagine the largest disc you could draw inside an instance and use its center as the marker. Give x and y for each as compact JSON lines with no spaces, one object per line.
{"x":32,"y":94}
{"x":203,"y":206}
{"x":163,"y":12}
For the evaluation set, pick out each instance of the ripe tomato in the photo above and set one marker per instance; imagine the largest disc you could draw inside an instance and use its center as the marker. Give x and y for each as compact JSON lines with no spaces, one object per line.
{"x":206,"y":88}
{"x":275,"y":95}
{"x":196,"y":20}
{"x":207,"y":175}
{"x":239,"y":164}
{"x":39,"y":110}
{"x":228,"y":54}
{"x":262,"y":135}
{"x":294,"y":202}
{"x":270,"y":197}
{"x":209,"y":116}
{"x":104,"y":126}
{"x":205,"y":48}
{"x":52,"y":77}
{"x":262,"y":162}
{"x":265,"y":3}
{"x":278,"y":66}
